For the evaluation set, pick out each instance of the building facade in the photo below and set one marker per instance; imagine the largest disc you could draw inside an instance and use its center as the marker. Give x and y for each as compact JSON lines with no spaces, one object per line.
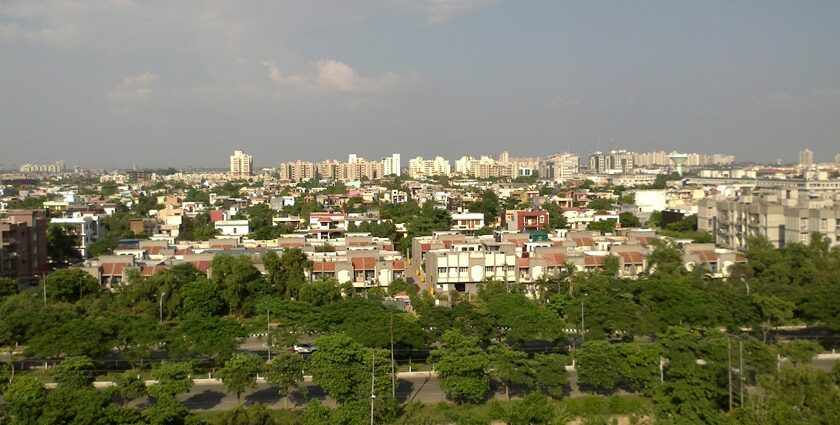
{"x":240,"y":165}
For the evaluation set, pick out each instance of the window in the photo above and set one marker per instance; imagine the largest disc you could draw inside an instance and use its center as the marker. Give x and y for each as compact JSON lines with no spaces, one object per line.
{"x":441,"y":269}
{"x":462,"y":269}
{"x":488,"y":269}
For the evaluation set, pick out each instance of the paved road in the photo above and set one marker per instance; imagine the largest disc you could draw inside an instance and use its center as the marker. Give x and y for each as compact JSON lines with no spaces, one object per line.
{"x":213,"y":397}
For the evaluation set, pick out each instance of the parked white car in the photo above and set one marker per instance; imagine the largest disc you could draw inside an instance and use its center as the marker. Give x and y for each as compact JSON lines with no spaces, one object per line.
{"x":305,"y":348}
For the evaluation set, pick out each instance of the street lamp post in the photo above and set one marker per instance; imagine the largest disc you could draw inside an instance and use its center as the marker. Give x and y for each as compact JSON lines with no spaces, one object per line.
{"x":160,"y":306}
{"x":582,"y":320}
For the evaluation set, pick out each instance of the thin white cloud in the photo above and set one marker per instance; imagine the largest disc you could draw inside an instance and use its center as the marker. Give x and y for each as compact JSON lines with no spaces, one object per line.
{"x":334,"y":76}
{"x":440,"y":11}
{"x":135,"y":87}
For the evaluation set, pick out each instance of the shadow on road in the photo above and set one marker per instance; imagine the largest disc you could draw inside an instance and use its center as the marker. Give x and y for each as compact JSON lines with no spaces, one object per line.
{"x":265,"y":396}
{"x":404,"y":390}
{"x":412,"y":391}
{"x":204,"y":400}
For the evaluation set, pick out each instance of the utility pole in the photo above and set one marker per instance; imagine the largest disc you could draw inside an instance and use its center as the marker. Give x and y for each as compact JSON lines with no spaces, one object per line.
{"x":582,"y":324}
{"x":661,"y":369}
{"x":729,"y":369}
{"x":160,"y":306}
{"x":44,"y":281}
{"x":741,"y":372}
{"x":372,"y":380}
{"x":393,"y":372}
{"x":268,"y":331}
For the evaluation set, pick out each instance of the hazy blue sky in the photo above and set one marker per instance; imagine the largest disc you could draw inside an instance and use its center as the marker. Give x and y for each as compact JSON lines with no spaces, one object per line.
{"x":159,"y":83}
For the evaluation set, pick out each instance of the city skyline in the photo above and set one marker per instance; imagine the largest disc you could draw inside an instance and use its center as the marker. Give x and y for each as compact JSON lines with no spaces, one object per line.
{"x":157,"y":84}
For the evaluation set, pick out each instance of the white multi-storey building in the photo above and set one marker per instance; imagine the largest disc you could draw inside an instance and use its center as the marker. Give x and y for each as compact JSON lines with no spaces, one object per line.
{"x":559,"y":167}
{"x":391,"y":165}
{"x":780,"y":216}
{"x":428,"y":167}
{"x":240,"y":165}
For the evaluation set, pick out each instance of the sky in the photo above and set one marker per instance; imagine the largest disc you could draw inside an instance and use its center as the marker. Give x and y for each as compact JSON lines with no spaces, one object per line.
{"x":160,"y":83}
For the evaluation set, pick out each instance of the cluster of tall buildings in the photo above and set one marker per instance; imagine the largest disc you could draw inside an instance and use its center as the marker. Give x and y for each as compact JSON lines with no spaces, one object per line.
{"x":356,"y":168}
{"x":55,"y":167}
{"x":558,"y":167}
{"x":662,"y":159}
{"x":806,"y":159}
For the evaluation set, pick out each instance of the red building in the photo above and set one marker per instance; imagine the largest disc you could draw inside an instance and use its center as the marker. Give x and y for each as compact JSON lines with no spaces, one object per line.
{"x":23,"y":245}
{"x":522,"y":220}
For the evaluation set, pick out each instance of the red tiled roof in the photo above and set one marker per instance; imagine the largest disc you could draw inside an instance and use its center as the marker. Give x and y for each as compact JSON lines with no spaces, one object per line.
{"x":584,"y":241}
{"x":323,"y":266}
{"x":555,"y":259}
{"x":388,"y":247}
{"x":202,"y":266}
{"x":358,"y":243}
{"x":152,"y":270}
{"x":399,"y":265}
{"x":594,"y":260}
{"x":706,"y":255}
{"x":522,"y":262}
{"x":364,"y":263}
{"x":154,"y":250}
{"x":644,"y":240}
{"x":740,"y":258}
{"x":425,"y":247}
{"x":112,"y":269}
{"x":632,"y":257}
{"x":183,"y":251}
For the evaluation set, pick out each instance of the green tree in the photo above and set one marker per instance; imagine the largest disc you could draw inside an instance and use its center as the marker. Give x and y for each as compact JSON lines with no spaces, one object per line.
{"x":239,"y":279}
{"x":201,"y":298}
{"x":642,"y":365}
{"x":489,"y":205}
{"x":75,"y":372}
{"x":257,"y":414}
{"x":314,"y":413}
{"x":61,"y":244}
{"x":285,"y":371}
{"x":69,"y":285}
{"x":462,"y":367}
{"x":533,"y":409}
{"x":549,"y":374}
{"x":800,"y":351}
{"x":166,"y":411}
{"x":599,"y":365}
{"x":629,"y":220}
{"x":211,"y":337}
{"x":773,"y":311}
{"x":8,"y":287}
{"x":24,"y":399}
{"x":130,"y":386}
{"x":510,"y":367}
{"x":603,"y":226}
{"x":556,"y":219}
{"x":240,"y":373}
{"x":320,"y":292}
{"x":172,"y":379}
{"x":339,"y":367}
{"x":600,"y":204}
